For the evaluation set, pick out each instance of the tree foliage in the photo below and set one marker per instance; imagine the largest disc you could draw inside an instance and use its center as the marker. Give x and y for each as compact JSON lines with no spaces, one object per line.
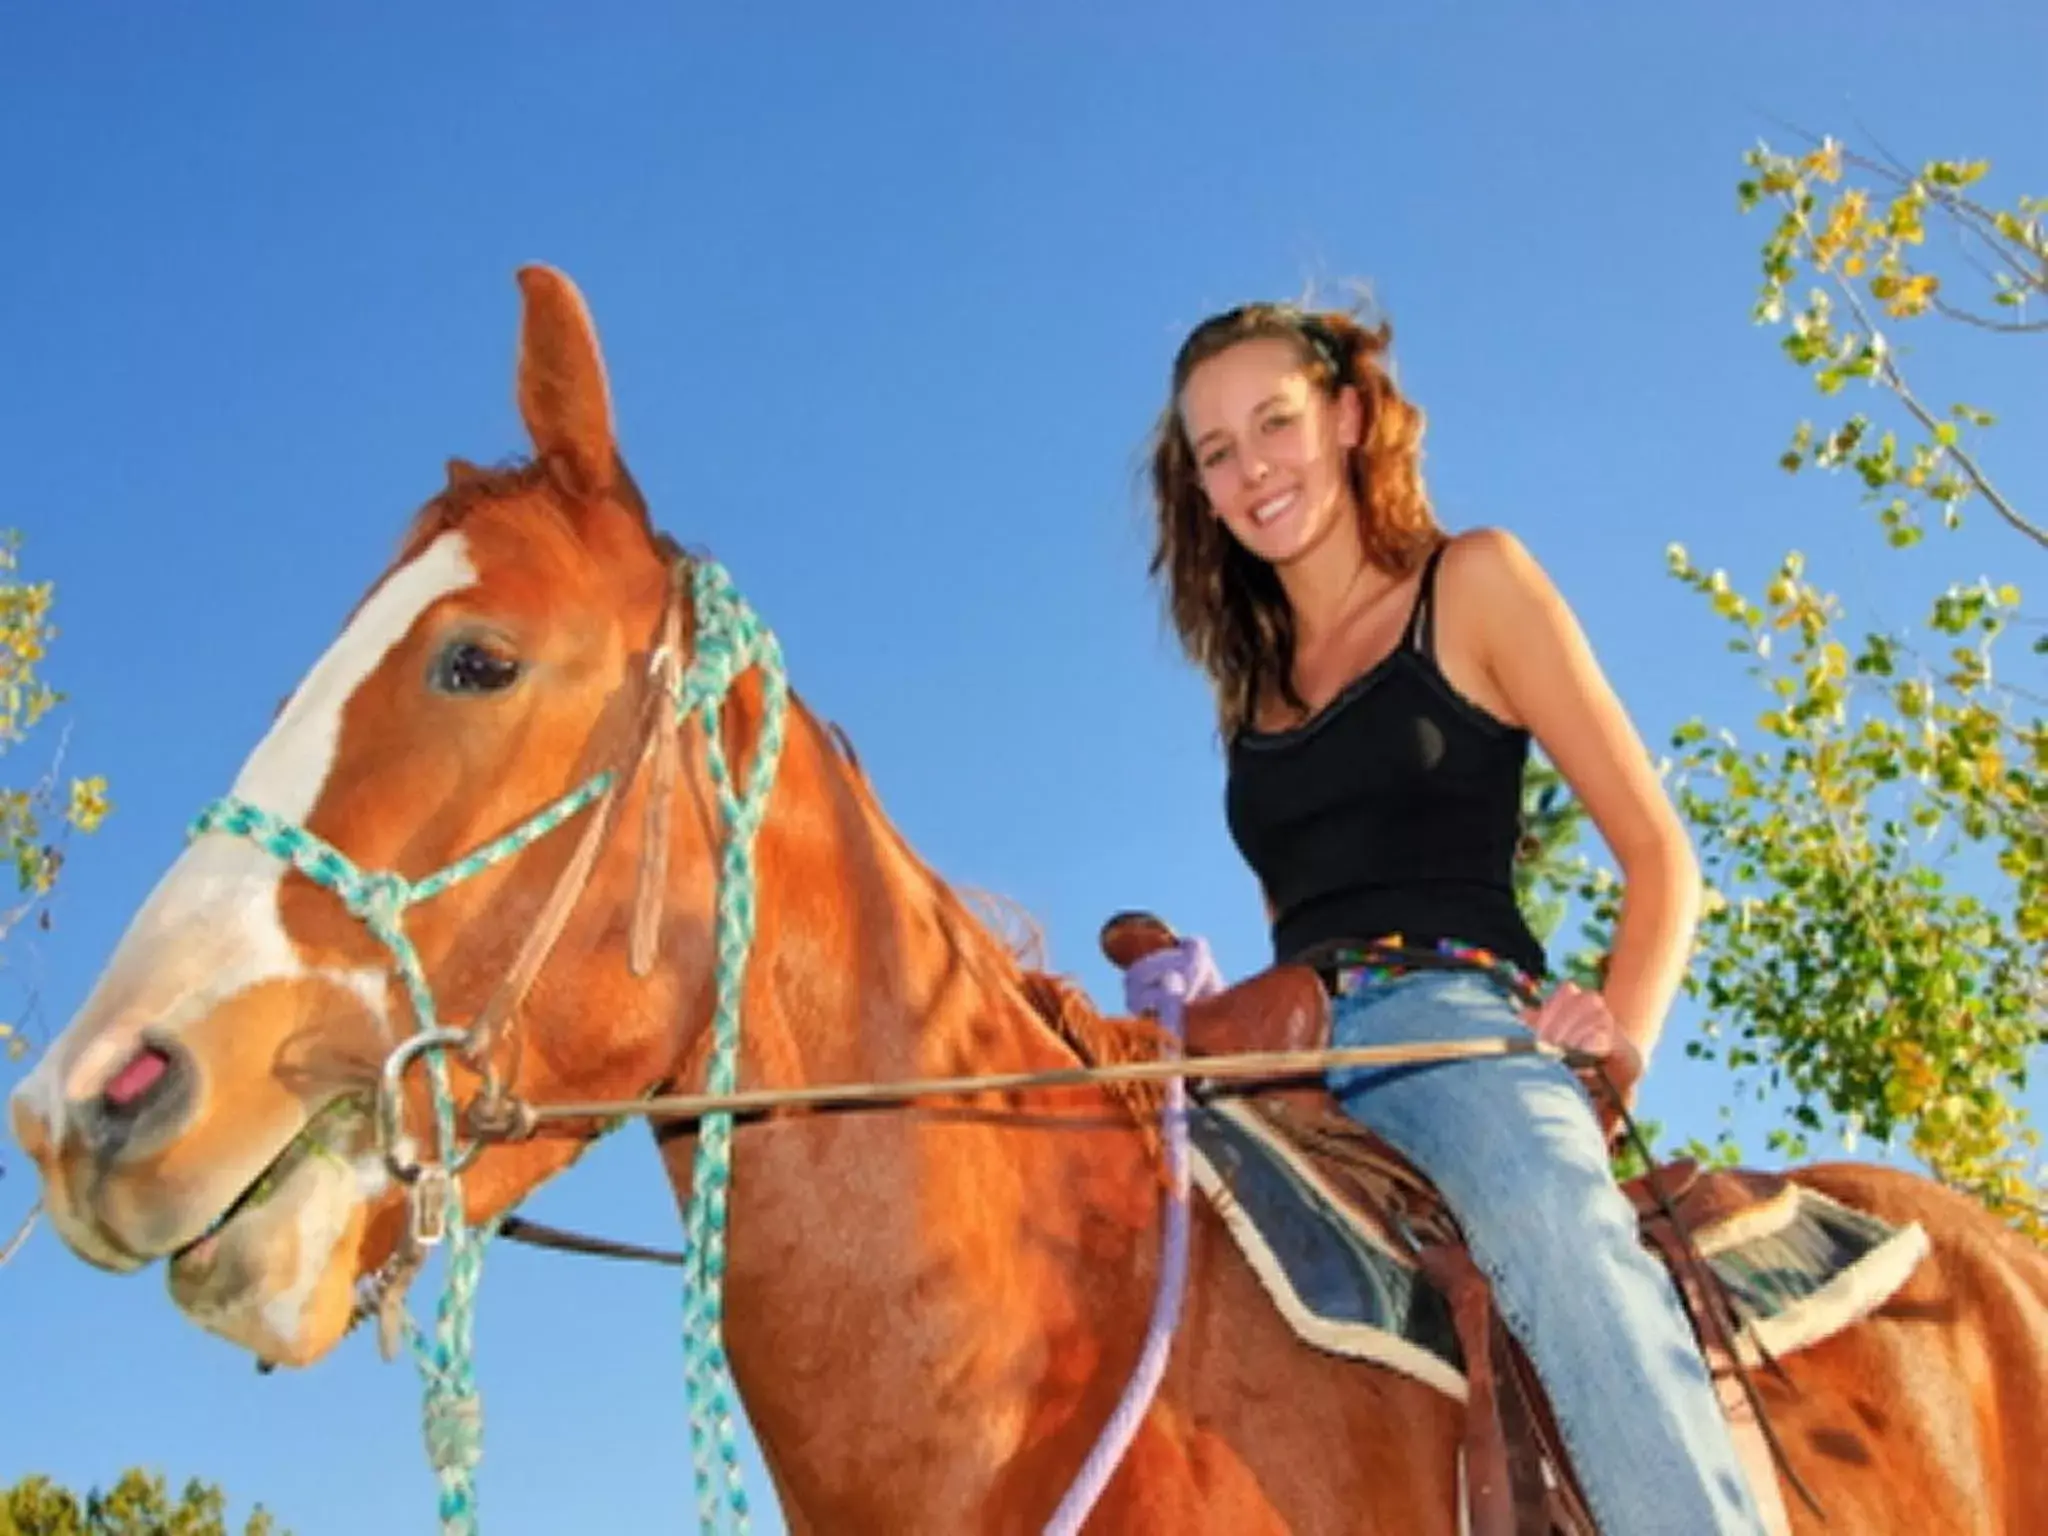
{"x":1877,"y":937}
{"x":1875,"y":941}
{"x":139,"y":1504}
{"x":41,"y":808}
{"x":1861,"y":240}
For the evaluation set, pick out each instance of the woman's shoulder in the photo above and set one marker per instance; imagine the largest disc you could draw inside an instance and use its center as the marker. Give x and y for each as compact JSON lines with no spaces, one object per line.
{"x":1487,"y":547}
{"x":1493,"y":594}
{"x":1489,"y":562}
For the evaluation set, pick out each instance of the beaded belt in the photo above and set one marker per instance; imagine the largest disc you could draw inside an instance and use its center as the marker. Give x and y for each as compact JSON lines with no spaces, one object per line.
{"x":1347,"y":966}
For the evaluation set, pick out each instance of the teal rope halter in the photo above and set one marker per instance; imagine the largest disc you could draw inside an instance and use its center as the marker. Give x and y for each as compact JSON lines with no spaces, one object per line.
{"x":452,"y":1411}
{"x":730,"y":638}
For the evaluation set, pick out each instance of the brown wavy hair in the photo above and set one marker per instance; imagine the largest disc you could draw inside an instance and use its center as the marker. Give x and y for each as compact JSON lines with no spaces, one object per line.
{"x":1226,"y":604}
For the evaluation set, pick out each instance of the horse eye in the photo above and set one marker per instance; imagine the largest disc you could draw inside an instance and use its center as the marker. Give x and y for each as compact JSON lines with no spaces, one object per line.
{"x":467,"y":667}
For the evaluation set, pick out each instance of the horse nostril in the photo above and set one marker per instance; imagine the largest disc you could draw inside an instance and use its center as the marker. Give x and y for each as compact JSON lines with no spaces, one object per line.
{"x":143,"y":1079}
{"x":146,"y":1101}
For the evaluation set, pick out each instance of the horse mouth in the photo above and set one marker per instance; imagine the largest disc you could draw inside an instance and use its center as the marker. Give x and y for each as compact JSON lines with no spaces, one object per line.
{"x":324,"y":1135}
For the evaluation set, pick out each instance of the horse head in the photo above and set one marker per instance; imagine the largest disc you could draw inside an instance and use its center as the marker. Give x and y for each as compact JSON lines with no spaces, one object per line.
{"x":211,"y":1104}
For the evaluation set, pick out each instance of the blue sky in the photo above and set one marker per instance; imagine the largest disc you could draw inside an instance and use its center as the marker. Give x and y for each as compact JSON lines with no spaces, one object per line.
{"x":887,"y":308}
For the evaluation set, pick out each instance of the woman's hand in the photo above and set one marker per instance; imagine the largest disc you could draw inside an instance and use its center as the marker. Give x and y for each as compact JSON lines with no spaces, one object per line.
{"x":1573,"y":1019}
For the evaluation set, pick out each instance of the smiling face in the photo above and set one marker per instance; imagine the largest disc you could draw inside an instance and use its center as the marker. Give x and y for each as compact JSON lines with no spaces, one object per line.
{"x":1270,"y":445}
{"x":208,"y":1105}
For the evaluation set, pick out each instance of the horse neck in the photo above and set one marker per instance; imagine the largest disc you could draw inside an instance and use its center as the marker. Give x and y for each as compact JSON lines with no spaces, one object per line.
{"x":968,"y":1274}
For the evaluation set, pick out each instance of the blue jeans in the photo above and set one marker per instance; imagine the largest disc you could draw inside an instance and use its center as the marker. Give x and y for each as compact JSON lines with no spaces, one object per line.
{"x":1515,"y":1149}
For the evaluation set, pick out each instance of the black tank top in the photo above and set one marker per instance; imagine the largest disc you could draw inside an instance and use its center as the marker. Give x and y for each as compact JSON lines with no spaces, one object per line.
{"x":1394,"y":809}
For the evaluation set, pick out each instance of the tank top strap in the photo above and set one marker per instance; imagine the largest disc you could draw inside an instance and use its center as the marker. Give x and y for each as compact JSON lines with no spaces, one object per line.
{"x":1421,"y":632}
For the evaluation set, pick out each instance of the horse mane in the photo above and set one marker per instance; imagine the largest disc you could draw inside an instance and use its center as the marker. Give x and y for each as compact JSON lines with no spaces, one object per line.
{"x":471,"y":486}
{"x":1005,"y":946}
{"x":1098,"y":1039}
{"x":1101,"y":1040}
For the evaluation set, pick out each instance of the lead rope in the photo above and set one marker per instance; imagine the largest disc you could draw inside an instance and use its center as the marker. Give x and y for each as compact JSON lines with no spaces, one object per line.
{"x":1163,"y":984}
{"x":730,"y":639}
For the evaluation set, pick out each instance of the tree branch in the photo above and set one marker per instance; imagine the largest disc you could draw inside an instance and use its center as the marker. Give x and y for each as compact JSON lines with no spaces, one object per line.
{"x":1894,"y":380}
{"x":21,"y":1233}
{"x":1985,"y":322}
{"x":1991,"y":494}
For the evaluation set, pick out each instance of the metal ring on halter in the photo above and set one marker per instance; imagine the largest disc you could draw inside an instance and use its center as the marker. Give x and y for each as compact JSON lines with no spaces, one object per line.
{"x":391,"y":1105}
{"x":497,"y":1114}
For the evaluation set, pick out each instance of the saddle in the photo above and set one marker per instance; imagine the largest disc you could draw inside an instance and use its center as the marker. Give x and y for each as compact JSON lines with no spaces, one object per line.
{"x":1518,"y":1477}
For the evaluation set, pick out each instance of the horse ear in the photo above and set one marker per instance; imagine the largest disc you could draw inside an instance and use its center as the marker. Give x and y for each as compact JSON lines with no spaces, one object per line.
{"x":563,"y":397}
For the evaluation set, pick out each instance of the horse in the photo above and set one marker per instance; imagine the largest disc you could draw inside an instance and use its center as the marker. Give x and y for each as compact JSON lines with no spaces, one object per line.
{"x":929,"y":1315}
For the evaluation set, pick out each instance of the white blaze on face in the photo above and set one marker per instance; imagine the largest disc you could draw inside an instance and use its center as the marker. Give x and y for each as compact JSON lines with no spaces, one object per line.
{"x":212,"y":927}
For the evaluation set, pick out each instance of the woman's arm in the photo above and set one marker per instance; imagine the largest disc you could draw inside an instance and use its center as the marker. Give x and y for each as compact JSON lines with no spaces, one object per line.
{"x":1537,"y":655}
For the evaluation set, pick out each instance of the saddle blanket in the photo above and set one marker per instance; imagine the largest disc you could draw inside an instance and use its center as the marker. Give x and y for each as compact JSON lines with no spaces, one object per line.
{"x":1798,"y":1268}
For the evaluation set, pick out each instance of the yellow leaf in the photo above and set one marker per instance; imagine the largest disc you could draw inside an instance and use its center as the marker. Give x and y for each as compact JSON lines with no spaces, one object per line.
{"x":1912,"y":295}
{"x":1824,"y":163}
{"x":89,"y":804}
